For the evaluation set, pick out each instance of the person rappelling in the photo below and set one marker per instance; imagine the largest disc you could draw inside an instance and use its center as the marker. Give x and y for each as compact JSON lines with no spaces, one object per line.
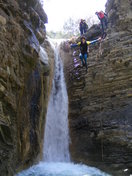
{"x":84,"y":49}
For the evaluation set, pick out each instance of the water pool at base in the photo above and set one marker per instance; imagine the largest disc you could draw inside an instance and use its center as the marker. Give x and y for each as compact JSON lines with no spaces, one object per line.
{"x":61,"y":169}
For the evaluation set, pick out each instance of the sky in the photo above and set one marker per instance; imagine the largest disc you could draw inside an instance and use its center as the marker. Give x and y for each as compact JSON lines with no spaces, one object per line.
{"x":58,"y":11}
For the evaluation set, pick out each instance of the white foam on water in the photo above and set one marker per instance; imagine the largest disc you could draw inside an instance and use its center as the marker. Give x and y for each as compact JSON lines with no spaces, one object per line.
{"x":62,"y":169}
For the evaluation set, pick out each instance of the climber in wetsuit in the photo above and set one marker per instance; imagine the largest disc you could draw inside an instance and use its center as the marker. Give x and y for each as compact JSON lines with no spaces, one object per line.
{"x":84,"y":49}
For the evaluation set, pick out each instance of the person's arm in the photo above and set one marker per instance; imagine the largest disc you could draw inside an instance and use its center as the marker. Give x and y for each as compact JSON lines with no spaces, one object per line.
{"x":75,"y":45}
{"x":93,"y":41}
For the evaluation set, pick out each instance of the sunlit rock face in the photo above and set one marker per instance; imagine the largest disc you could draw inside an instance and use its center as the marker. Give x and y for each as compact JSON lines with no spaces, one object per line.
{"x":100,"y":101}
{"x":25,"y":83}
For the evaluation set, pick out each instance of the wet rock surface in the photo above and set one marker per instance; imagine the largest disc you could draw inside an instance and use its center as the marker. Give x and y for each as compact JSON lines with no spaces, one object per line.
{"x":25,"y":83}
{"x":100,"y":100}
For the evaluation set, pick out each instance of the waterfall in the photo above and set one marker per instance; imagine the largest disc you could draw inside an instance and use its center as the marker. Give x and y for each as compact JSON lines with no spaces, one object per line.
{"x":56,"y":138}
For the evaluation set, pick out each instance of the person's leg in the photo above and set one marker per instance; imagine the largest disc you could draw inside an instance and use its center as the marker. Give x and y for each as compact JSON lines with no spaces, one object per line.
{"x":102,"y":25}
{"x":84,"y":30}
{"x":106,"y":22}
{"x":81,"y":31}
{"x":81,"y":57}
{"x":104,"y":35}
{"x":85,"y":58}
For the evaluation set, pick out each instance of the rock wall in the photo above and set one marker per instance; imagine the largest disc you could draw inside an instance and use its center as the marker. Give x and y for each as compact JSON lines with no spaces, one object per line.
{"x":25,"y":83}
{"x":100,"y":101}
{"x":120,"y":15}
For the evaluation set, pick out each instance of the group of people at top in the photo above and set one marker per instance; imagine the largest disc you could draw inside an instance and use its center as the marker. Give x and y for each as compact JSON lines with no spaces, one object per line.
{"x":83,"y":43}
{"x":83,"y":27}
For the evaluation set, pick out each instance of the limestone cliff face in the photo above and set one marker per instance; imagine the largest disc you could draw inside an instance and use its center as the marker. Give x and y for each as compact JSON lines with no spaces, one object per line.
{"x":120,"y":15}
{"x":100,"y":101}
{"x":25,"y":83}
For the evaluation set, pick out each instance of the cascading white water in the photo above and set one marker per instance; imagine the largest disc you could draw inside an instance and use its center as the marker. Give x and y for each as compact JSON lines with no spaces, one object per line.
{"x":56,"y":161}
{"x":56,"y":138}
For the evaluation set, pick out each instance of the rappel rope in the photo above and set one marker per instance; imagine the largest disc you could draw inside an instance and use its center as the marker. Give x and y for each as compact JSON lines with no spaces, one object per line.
{"x":100,"y":49}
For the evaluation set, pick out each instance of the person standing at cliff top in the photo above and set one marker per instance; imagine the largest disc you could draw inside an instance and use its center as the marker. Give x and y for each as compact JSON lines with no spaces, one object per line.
{"x":84,"y":49}
{"x":103,"y":19}
{"x":83,"y":27}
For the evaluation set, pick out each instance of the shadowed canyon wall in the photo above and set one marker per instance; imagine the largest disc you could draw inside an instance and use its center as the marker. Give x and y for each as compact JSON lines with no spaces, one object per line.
{"x":100,"y":101}
{"x":25,"y":83}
